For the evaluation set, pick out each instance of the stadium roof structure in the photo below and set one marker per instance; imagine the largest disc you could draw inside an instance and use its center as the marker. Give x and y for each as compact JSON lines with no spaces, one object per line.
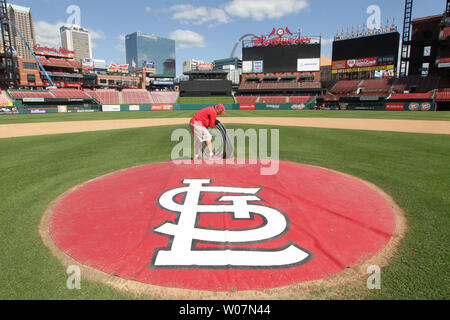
{"x":20,"y":9}
{"x":424,"y":19}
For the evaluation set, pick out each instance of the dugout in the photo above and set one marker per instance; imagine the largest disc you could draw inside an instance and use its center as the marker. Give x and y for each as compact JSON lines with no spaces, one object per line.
{"x":206,"y":84}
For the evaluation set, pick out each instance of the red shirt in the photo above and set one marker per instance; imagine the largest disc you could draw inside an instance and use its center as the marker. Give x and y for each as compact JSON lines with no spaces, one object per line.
{"x":207,"y":117}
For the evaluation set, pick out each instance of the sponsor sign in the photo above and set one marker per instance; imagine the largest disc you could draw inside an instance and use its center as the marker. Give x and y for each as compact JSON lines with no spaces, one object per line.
{"x":387,"y":67}
{"x":134,"y":108}
{"x":341,"y":64}
{"x":308,"y":64}
{"x":118,"y":68}
{"x":247,"y":66}
{"x":360,"y":63}
{"x":385,"y":60}
{"x":265,"y":41}
{"x":111,"y":108}
{"x":37,"y":111}
{"x":273,"y":106}
{"x":163,"y":83}
{"x":395,"y":107}
{"x":247,"y":106}
{"x":425,"y":106}
{"x":204,"y":66}
{"x":148,"y":64}
{"x":61,"y":50}
{"x":162,"y":107}
{"x":414,"y":106}
{"x":62,"y":109}
{"x":33,"y":100}
{"x":298,"y":106}
{"x":444,"y":65}
{"x":258,"y":67}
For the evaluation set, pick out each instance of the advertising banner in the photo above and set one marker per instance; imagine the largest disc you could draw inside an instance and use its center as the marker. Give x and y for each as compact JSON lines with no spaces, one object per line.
{"x":308,"y":64}
{"x":341,"y":64}
{"x":360,"y":63}
{"x":385,"y":60}
{"x":258,"y":67}
{"x":62,"y":109}
{"x":247,"y":106}
{"x":119,"y":68}
{"x":387,"y":67}
{"x":247,"y":66}
{"x":161,"y":107}
{"x":395,"y":107}
{"x":134,"y":108}
{"x":111,"y":108}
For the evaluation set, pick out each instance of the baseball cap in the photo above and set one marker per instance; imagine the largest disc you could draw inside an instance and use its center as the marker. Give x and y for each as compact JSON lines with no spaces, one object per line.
{"x":221,"y":107}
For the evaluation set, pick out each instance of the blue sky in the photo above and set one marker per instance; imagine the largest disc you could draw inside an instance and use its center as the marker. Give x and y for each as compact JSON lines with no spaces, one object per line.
{"x":208,"y":30}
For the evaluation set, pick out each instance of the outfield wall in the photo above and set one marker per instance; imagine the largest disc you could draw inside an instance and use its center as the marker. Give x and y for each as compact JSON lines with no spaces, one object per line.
{"x":19,"y":107}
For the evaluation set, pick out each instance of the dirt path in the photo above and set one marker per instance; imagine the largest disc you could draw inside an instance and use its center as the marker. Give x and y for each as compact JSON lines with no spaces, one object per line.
{"x":46,"y":128}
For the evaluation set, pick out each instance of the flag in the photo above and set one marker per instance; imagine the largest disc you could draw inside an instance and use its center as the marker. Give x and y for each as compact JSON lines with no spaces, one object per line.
{"x":133,"y":64}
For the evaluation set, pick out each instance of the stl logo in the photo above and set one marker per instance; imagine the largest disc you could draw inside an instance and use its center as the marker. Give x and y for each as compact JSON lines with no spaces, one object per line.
{"x":185,"y":234}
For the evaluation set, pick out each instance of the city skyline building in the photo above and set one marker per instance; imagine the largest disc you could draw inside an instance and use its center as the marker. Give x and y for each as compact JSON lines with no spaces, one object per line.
{"x":144,"y":50}
{"x":22,"y":17}
{"x":78,"y":40}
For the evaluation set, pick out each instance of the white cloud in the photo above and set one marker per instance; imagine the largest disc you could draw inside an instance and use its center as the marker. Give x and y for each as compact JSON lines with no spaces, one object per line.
{"x":48,"y":34}
{"x":121,"y":43}
{"x":263,"y":9}
{"x":148,"y":9}
{"x":187,"y":13}
{"x":97,"y":34}
{"x":187,"y":39}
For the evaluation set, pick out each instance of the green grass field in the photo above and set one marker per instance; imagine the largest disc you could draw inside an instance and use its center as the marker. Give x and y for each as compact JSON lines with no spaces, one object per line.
{"x":413,"y":168}
{"x":52,"y":117}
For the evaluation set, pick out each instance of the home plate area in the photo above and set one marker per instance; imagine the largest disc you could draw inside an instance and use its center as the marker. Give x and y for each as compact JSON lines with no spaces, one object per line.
{"x":222,"y":227}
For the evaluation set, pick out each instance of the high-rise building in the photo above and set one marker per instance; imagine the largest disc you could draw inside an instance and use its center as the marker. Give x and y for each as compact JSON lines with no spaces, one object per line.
{"x":191,"y":65}
{"x":78,"y":40}
{"x":144,"y":49}
{"x":22,"y":18}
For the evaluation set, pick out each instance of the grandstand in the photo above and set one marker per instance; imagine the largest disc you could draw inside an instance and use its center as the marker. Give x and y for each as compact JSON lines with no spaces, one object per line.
{"x":136,"y":96}
{"x":105,"y":96}
{"x":169,"y":97}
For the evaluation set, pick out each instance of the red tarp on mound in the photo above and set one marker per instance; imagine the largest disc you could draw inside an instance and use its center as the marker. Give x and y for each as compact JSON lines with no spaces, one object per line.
{"x":120,"y":223}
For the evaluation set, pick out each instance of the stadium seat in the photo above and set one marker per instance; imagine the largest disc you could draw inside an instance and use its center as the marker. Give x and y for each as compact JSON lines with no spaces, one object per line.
{"x":105,"y":96}
{"x":69,"y":93}
{"x":411,"y":96}
{"x":136,"y":96}
{"x":300,"y":99}
{"x":249,"y":86}
{"x":30,"y":94}
{"x":273,"y":99}
{"x":4,"y":101}
{"x":443,"y":96}
{"x":246,"y":99}
{"x":165,"y":97}
{"x":345,"y":86}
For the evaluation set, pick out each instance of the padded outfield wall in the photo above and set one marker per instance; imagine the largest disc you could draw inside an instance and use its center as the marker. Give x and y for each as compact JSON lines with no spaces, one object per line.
{"x":40,"y":108}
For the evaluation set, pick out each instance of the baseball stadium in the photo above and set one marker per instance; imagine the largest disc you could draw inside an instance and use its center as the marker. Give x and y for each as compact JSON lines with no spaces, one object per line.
{"x":329,"y":178}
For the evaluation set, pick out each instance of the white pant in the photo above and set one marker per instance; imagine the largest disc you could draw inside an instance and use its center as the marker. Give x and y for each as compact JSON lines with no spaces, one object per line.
{"x":201,"y":133}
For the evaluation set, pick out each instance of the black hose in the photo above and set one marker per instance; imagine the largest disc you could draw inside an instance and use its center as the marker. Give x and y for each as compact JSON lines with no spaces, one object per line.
{"x":222,"y":142}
